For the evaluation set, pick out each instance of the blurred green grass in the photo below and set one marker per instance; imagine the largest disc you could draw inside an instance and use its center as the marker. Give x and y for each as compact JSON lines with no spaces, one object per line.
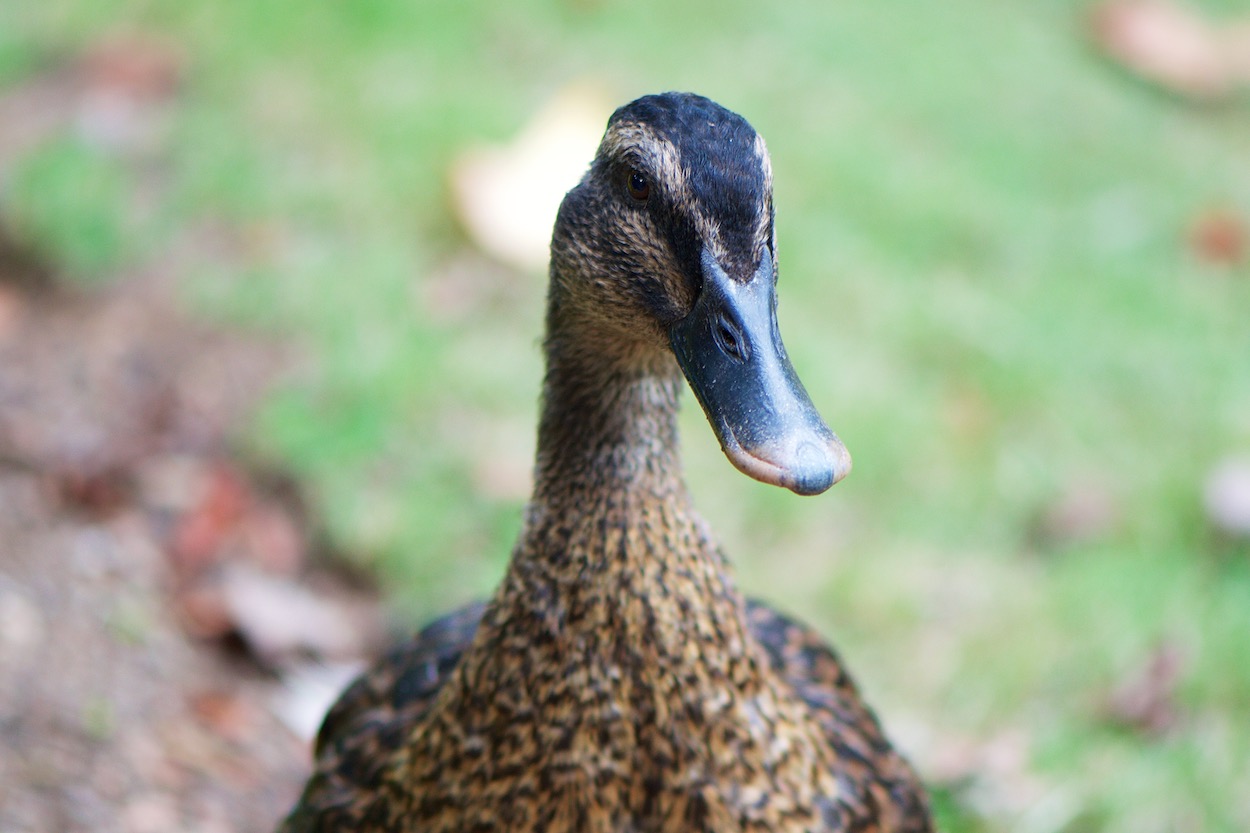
{"x":986,"y":286}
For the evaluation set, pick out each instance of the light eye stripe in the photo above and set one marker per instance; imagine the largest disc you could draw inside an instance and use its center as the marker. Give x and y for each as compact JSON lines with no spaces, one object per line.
{"x":636,"y":146}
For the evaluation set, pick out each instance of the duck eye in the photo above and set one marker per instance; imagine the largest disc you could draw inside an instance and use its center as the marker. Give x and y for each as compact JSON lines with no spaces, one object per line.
{"x":639,"y":187}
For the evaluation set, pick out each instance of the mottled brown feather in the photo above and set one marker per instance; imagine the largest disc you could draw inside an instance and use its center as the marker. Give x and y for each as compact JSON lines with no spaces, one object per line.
{"x":397,"y":692}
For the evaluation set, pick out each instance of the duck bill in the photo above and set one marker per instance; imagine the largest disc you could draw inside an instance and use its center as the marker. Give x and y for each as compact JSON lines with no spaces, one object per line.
{"x":730,"y":349}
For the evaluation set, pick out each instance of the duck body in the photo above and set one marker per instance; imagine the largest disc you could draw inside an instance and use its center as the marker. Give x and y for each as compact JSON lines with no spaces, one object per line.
{"x":618,"y":681}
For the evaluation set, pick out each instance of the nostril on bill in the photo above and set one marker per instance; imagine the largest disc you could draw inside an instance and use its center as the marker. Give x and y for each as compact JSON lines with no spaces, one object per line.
{"x":730,"y":340}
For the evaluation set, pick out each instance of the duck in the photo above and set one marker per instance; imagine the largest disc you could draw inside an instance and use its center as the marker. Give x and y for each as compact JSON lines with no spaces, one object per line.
{"x":618,"y":681}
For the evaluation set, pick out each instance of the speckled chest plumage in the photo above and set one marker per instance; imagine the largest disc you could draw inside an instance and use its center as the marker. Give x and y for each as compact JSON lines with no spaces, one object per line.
{"x":629,"y":702}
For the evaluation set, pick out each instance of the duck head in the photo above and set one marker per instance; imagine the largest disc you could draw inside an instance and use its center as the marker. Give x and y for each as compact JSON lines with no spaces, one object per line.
{"x":668,"y":245}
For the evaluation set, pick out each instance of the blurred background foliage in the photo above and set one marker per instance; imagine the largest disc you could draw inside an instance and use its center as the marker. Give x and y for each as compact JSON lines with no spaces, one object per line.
{"x":993,"y":284}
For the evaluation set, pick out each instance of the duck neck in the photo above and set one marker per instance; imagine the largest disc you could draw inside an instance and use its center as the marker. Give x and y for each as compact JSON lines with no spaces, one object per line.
{"x":612,"y":553}
{"x":608,"y":424}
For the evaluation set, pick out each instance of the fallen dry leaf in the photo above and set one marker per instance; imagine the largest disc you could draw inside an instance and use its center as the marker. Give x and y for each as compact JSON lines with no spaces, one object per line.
{"x":280,"y":620}
{"x":227,"y":714}
{"x":507,"y":196}
{"x":1227,"y":497}
{"x":1218,"y":236}
{"x":1083,"y":512}
{"x":22,"y":626}
{"x":151,"y":812}
{"x":202,"y":532}
{"x":273,"y":538}
{"x":1173,"y":45}
{"x":1237,"y":48}
{"x":127,"y":80}
{"x":203,"y":612}
{"x":137,"y":65}
{"x":100,"y":493}
{"x":12,"y":309}
{"x":309,"y":689}
{"x":1146,"y":701}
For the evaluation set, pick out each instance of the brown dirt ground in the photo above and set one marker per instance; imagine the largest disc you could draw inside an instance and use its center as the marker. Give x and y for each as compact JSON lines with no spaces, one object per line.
{"x":113,"y":716}
{"x":132,"y":696}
